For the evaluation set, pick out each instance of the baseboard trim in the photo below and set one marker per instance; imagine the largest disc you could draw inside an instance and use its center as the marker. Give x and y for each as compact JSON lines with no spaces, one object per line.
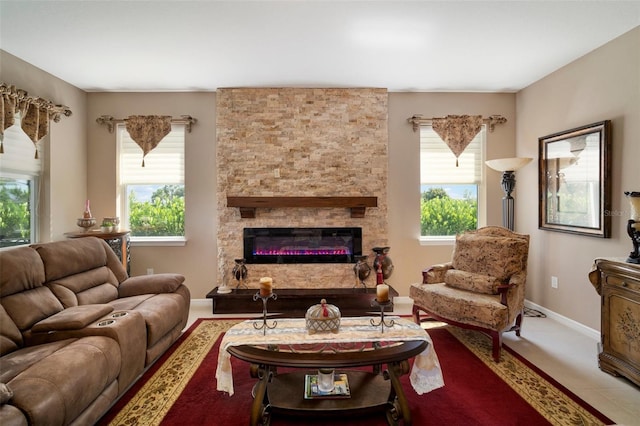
{"x":574,"y":325}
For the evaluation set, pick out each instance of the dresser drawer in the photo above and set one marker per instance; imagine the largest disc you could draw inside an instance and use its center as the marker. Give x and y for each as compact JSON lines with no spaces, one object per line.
{"x":622,"y":281}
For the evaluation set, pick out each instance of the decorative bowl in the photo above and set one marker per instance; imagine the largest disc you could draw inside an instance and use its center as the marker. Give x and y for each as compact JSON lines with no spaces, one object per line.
{"x":86,"y":222}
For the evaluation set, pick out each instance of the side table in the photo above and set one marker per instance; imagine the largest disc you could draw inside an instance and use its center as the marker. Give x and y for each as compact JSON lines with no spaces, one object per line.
{"x":118,"y":241}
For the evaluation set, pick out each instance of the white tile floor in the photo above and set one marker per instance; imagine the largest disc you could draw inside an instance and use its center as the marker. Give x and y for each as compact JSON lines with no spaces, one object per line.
{"x":567,"y":355}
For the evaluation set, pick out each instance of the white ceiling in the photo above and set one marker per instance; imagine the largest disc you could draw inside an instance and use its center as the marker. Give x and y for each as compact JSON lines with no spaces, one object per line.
{"x":186,"y":45}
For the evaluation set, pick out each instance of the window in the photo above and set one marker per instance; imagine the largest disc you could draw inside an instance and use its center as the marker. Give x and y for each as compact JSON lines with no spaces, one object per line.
{"x":19,"y":182}
{"x":450,"y":195}
{"x":152,"y":197}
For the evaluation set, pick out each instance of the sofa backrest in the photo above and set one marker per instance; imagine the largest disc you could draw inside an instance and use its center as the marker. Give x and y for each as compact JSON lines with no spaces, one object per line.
{"x":81,"y":271}
{"x":24,"y":298}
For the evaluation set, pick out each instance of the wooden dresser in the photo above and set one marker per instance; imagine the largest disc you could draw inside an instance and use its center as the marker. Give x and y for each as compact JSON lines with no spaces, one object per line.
{"x":618,"y":284}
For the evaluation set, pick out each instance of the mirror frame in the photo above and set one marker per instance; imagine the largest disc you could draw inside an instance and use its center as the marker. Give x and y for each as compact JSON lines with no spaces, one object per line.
{"x":603,"y":229}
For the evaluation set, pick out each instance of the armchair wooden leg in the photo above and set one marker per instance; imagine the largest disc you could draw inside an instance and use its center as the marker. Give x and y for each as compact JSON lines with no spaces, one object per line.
{"x":416,"y":314}
{"x":496,"y":338}
{"x":519,"y":323}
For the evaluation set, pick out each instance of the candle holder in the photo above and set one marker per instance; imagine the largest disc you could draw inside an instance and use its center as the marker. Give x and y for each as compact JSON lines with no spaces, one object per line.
{"x":264,"y":326}
{"x":382,"y":323}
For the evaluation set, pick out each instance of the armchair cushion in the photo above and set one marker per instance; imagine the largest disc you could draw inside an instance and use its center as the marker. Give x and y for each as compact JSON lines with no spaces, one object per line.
{"x":477,"y":283}
{"x":499,"y":257}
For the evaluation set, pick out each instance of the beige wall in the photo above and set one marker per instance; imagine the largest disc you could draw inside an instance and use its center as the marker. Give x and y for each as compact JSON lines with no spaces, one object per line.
{"x":64,"y":180}
{"x":408,"y":256}
{"x":603,"y":85}
{"x":197,"y":259}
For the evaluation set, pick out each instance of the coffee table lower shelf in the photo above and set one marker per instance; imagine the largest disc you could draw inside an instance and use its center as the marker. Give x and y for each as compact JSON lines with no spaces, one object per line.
{"x":369,"y":392}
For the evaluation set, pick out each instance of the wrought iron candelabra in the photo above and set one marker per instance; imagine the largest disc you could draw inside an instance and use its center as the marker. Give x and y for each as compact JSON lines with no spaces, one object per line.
{"x":382,"y":323}
{"x":264,"y":325}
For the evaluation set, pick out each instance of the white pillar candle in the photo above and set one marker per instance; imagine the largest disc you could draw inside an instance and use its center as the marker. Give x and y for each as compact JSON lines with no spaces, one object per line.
{"x":382,"y":293}
{"x":266,"y":284}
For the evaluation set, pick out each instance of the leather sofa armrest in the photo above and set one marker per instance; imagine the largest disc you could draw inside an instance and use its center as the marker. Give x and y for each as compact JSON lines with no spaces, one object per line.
{"x":435,"y":273}
{"x":150,"y":284}
{"x":72,"y":318}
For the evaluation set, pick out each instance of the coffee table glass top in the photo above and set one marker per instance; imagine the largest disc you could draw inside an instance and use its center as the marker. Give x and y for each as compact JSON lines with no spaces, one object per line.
{"x":426,"y":374}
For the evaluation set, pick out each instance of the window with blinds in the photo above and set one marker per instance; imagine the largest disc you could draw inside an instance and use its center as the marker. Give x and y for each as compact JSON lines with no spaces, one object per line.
{"x":19,"y":182}
{"x":449,"y":194}
{"x":152,"y":197}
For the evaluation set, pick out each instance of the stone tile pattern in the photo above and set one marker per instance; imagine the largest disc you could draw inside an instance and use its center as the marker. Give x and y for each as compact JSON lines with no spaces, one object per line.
{"x":325,"y":142}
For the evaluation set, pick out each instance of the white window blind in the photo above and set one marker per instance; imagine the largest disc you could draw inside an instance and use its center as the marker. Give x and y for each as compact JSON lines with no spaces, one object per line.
{"x":19,"y":152}
{"x":163,"y":165}
{"x":438,"y":163}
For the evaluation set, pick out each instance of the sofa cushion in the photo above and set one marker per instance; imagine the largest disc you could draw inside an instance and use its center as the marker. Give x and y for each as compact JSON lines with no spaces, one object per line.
{"x":30,"y":306}
{"x":73,"y":318}
{"x":150,"y":284}
{"x":478,"y":283}
{"x":64,"y":258}
{"x":498,"y":257}
{"x":10,"y":336}
{"x":49,"y":394}
{"x":18,"y":361}
{"x":94,"y":286}
{"x":22,"y":269}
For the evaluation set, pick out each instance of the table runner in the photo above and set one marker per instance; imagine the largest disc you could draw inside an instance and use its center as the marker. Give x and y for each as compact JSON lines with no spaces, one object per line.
{"x":425,"y":376}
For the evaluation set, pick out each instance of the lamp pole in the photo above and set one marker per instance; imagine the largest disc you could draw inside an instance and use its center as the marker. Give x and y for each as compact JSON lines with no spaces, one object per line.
{"x":508,"y":208}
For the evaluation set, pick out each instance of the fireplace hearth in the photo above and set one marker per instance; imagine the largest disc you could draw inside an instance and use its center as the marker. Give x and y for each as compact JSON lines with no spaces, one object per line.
{"x":302,"y":245}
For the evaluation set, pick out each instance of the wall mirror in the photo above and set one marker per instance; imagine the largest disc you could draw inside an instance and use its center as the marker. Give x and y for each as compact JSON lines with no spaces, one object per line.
{"x":575,"y":180}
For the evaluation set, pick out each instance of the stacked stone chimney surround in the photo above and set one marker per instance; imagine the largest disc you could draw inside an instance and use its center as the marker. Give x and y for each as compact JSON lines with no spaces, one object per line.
{"x":324,"y":142}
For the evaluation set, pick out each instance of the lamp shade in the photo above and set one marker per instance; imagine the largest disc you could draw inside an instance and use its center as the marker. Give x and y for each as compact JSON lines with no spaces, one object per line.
{"x":508,"y":164}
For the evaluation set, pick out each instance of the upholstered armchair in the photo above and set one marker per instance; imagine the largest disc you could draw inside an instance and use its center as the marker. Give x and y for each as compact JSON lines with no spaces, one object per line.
{"x":482,"y":288}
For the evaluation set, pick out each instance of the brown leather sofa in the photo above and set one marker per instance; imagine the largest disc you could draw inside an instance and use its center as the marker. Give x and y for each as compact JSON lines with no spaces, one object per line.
{"x":76,"y":331}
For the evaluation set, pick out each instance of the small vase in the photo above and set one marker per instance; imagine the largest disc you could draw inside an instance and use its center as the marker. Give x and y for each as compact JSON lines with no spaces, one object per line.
{"x":382,"y":262}
{"x":362,"y":270}
{"x":240,"y":272}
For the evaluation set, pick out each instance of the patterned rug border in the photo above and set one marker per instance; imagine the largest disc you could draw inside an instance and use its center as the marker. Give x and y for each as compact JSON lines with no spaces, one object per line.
{"x":154,"y":399}
{"x":171,"y":373}
{"x":551,"y":399}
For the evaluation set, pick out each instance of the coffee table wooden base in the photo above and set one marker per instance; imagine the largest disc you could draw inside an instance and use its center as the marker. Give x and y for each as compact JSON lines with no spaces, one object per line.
{"x":370,"y":392}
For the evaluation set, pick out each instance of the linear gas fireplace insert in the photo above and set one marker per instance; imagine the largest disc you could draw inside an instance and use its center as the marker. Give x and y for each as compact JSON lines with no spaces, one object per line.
{"x":302,"y":245}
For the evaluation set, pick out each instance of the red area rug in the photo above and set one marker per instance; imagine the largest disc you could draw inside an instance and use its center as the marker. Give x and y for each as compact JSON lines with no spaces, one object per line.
{"x":180,"y":389}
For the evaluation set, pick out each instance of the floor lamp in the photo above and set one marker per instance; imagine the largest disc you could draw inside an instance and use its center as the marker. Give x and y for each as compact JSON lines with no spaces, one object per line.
{"x":508,"y":166}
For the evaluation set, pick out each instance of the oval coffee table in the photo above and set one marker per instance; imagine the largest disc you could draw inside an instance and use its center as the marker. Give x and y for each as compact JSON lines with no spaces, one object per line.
{"x":370,"y":391}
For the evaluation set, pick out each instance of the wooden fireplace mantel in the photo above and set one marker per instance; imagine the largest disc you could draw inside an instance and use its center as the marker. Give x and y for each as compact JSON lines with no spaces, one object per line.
{"x":248,"y":205}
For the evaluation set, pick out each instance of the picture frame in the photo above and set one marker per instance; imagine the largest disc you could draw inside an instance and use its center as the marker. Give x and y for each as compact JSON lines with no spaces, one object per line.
{"x":574,"y":176}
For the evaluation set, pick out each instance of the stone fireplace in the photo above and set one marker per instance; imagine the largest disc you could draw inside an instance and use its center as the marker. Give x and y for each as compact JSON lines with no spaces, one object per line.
{"x":310,"y":143}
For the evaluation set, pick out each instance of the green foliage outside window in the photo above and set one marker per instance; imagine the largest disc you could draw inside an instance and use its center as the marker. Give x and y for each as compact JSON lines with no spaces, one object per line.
{"x":15,"y":219}
{"x":162,"y":216}
{"x":441,"y":215}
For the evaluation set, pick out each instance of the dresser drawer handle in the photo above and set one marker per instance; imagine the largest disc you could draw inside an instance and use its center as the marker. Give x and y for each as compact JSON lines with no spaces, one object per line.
{"x":624,"y":284}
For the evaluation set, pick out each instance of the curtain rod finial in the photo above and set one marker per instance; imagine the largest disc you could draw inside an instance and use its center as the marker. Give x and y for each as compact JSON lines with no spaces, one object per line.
{"x":106,"y":120}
